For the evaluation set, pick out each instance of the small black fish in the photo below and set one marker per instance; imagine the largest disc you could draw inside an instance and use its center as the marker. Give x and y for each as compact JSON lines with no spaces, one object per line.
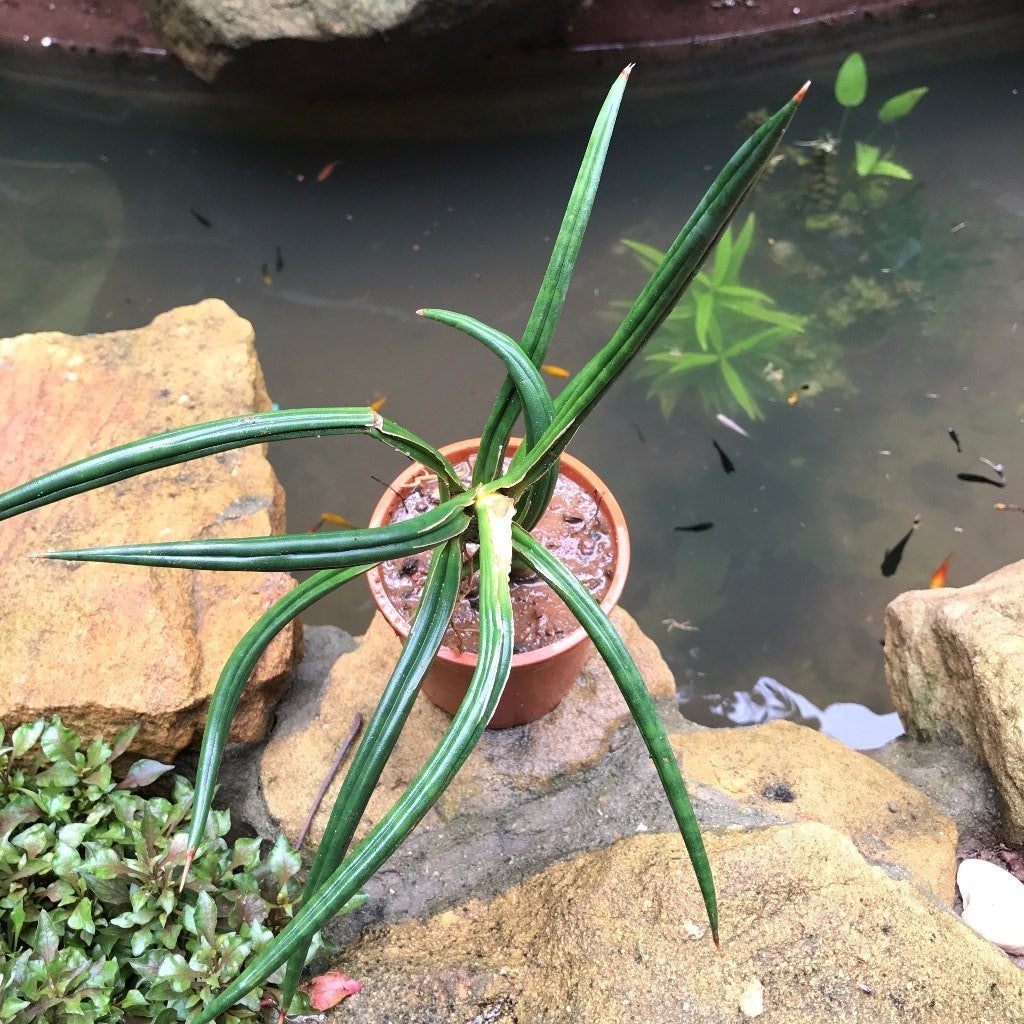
{"x":695,"y":527}
{"x":278,"y":259}
{"x":727,"y":464}
{"x":894,"y":555}
{"x":977,"y":478}
{"x":955,"y":439}
{"x":205,"y":221}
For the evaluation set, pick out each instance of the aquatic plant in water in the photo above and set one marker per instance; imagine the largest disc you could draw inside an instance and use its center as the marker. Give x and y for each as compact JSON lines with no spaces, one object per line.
{"x":92,"y":927}
{"x":483,"y":524}
{"x":720,"y":335}
{"x":845,"y":218}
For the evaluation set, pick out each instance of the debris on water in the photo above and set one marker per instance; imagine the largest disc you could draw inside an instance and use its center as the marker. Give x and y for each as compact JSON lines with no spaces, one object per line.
{"x":683,"y":627}
{"x":696,"y":527}
{"x":894,"y":555}
{"x":977,"y":478}
{"x":731,"y":424}
{"x":205,"y":221}
{"x":956,"y":440}
{"x":1002,"y":506}
{"x":958,"y":227}
{"x":996,"y":467}
{"x":727,"y":463}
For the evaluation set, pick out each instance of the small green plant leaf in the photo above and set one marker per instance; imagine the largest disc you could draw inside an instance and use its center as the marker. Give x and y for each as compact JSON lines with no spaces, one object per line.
{"x":25,"y":737}
{"x":852,"y":81}
{"x":741,"y":247}
{"x":739,"y":390}
{"x":889,"y":169}
{"x":702,"y":321}
{"x":865,"y":158}
{"x":900,"y":105}
{"x":144,"y":772}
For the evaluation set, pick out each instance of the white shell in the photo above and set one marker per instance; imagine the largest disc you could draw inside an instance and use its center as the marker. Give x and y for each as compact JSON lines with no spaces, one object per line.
{"x":993,"y":904}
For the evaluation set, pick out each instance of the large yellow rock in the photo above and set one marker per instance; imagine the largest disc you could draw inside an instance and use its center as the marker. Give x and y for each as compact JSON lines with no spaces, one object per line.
{"x":108,"y":646}
{"x":811,"y":934}
{"x":954,"y":662}
{"x":798,"y":774}
{"x":529,"y":759}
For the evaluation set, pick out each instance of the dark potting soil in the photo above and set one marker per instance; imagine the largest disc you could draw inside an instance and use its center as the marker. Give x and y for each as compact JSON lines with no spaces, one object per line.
{"x":574,"y":528}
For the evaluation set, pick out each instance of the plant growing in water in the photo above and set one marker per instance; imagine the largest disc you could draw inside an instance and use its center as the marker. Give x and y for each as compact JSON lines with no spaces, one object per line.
{"x":720,"y":334}
{"x":486,"y":523}
{"x":844,"y":220}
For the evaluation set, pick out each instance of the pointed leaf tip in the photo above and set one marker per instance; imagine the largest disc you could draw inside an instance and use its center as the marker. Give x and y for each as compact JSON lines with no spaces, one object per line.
{"x":421,"y":312}
{"x":802,"y":91}
{"x":627,"y":69}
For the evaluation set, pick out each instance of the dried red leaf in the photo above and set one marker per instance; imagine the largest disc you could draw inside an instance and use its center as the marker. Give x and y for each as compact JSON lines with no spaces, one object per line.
{"x":327,"y":990}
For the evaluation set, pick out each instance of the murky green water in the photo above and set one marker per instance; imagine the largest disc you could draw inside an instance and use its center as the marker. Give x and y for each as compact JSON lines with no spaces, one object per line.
{"x":102,"y":233}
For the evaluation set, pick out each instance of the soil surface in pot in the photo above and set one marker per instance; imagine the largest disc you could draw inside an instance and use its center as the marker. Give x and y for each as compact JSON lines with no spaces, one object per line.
{"x":573,"y":528}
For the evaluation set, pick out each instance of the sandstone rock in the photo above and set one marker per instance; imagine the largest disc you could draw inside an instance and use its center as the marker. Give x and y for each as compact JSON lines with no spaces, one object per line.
{"x":954,"y":662}
{"x":207,"y":34}
{"x":619,"y":935}
{"x":107,"y":646}
{"x":798,"y":774}
{"x":529,"y":759}
{"x":993,"y":903}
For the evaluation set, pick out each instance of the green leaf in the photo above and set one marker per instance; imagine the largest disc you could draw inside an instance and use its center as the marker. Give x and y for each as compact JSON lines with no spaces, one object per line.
{"x":900,"y":105}
{"x":655,"y":301}
{"x":888,"y":169}
{"x":235,"y":674}
{"x":81,"y":917}
{"x":866,"y":157}
{"x":494,"y":523}
{"x":60,"y":743}
{"x":648,"y":257}
{"x":433,"y":613}
{"x":741,"y":247}
{"x":852,"y":81}
{"x":722,"y":259}
{"x":531,"y":392}
{"x":753,"y":341}
{"x":206,"y":916}
{"x":143,"y":772}
{"x":705,"y":308}
{"x":684,"y":360}
{"x":739,"y":391}
{"x":25,"y":737}
{"x":336,"y":549}
{"x":548,"y":306}
{"x":631,"y":684}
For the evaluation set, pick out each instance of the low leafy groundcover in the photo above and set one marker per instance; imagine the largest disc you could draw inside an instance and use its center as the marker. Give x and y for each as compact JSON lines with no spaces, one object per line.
{"x":92,"y":927}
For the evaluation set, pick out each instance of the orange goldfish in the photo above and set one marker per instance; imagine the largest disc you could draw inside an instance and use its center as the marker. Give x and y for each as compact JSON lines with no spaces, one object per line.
{"x":555,"y":371}
{"x":939,"y":576}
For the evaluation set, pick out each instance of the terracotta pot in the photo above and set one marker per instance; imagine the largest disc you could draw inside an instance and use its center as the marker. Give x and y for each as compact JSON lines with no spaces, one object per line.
{"x":539,"y":679}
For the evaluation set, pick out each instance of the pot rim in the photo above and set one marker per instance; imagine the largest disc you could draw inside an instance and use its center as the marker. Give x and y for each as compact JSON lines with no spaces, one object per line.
{"x":570,"y":466}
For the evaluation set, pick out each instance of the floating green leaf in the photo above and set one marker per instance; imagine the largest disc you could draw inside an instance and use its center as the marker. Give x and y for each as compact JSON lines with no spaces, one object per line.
{"x":900,"y":105}
{"x":852,"y":81}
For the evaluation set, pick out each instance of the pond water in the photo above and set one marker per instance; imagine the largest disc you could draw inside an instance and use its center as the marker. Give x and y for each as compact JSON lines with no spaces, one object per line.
{"x":109,"y":222}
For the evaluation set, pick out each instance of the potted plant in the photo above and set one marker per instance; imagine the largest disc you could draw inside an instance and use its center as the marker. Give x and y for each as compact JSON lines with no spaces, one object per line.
{"x":583,"y":523}
{"x":484,"y":524}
